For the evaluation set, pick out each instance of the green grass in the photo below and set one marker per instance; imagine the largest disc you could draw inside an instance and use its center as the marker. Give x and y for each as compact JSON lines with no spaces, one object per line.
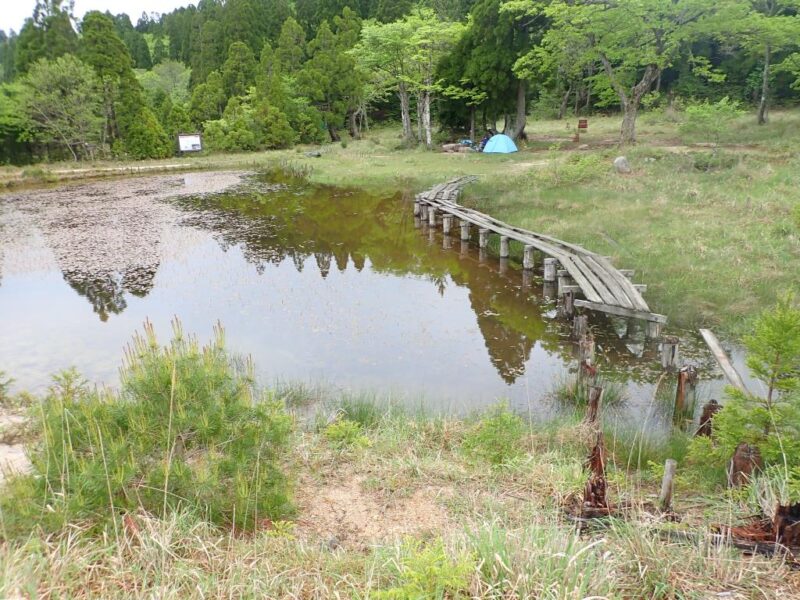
{"x":501,"y":531}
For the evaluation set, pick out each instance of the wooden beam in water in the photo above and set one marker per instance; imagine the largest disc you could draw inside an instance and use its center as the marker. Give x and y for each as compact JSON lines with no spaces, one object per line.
{"x":724,"y":362}
{"x":621,"y":312}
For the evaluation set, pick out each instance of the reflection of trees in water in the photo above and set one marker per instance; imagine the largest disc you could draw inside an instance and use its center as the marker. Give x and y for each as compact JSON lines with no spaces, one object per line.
{"x":106,"y":291}
{"x":106,"y":247}
{"x":336,"y":231}
{"x":305,"y":222}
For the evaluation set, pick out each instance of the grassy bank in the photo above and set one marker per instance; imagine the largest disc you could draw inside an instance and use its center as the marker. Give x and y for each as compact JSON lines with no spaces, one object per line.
{"x":712,"y":229}
{"x":414,"y":507}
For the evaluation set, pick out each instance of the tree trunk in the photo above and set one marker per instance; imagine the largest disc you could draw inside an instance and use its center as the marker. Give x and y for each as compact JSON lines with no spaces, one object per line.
{"x":520,"y":120}
{"x":405,"y":112}
{"x":426,"y":118}
{"x":589,"y":88}
{"x":562,"y":110}
{"x":419,"y":116}
{"x":628,"y":130}
{"x":352,"y":121}
{"x":762,"y":105}
{"x":472,"y":123}
{"x":333,"y":133}
{"x":630,"y":100}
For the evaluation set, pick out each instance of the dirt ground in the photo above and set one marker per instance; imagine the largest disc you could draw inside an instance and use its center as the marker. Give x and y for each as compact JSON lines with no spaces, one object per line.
{"x":343,"y":512}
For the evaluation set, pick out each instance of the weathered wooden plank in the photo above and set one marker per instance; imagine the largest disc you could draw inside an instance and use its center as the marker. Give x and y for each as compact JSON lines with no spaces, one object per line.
{"x":621,"y":312}
{"x":626,"y":284}
{"x":599,"y":283}
{"x":577,"y":275}
{"x":618,"y":295}
{"x":724,"y":362}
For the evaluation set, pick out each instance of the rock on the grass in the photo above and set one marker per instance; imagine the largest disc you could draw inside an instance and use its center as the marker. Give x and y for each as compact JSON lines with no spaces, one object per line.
{"x":621,"y":165}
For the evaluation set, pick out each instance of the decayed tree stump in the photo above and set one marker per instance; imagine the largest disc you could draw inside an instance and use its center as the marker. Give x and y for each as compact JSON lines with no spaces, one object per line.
{"x":787,"y":525}
{"x":595,"y":502}
{"x":711,"y":408}
{"x":746,"y":460}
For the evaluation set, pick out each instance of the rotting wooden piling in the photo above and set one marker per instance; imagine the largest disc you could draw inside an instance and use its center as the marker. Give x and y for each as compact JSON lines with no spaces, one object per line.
{"x":504,"y":251}
{"x":527,"y":257}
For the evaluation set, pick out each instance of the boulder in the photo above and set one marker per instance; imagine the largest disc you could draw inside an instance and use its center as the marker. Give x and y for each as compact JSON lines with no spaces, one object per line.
{"x":621,"y":165}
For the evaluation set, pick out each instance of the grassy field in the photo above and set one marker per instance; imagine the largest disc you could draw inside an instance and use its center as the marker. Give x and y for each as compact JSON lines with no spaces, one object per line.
{"x":712,"y":229}
{"x":409,"y":507}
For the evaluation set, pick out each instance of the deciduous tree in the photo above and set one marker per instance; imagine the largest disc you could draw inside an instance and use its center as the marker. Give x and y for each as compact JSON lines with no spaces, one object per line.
{"x":62,"y":104}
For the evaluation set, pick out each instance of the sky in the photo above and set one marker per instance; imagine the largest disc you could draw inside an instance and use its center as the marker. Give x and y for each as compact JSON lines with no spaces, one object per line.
{"x":14,"y":12}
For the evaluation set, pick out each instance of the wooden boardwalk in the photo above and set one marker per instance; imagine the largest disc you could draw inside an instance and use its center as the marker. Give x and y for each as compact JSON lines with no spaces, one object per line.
{"x":579,"y":271}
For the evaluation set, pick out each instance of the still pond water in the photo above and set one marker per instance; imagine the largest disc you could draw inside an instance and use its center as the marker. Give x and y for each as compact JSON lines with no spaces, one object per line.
{"x":319,"y":285}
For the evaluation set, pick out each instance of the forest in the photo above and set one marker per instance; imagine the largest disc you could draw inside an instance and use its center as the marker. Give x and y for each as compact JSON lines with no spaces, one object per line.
{"x":264,"y":74}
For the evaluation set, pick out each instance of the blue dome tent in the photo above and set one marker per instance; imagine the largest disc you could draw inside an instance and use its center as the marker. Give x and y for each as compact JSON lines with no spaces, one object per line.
{"x":500,"y":144}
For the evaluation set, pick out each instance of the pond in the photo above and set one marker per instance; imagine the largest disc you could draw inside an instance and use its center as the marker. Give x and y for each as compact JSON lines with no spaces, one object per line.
{"x":327,"y":286}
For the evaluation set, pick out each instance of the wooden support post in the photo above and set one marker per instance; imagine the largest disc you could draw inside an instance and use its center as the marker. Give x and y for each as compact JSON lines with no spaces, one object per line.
{"x":483,"y":238}
{"x":569,"y":304}
{"x":503,"y":246}
{"x":593,"y":408}
{"x":503,"y":266}
{"x":549,"y":290}
{"x":580,"y":326}
{"x":527,"y":279}
{"x":431,"y":234}
{"x":685,"y":394}
{"x":550,"y":269}
{"x":423,"y":212}
{"x":482,"y":255}
{"x":447,"y":224}
{"x":586,"y":349}
{"x":667,"y":484}
{"x":417,"y":208}
{"x":465,"y":230}
{"x":527,"y":258}
{"x":432,"y":216}
{"x":417,"y":222}
{"x":653,"y":330}
{"x":447,"y":242}
{"x":669,"y":352}
{"x":464,"y":249}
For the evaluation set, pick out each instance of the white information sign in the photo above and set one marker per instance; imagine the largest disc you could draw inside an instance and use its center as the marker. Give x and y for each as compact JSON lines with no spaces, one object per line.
{"x":189,"y":142}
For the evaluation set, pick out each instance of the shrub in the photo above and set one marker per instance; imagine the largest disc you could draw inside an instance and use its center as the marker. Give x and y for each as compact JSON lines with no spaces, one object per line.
{"x":426,"y":571}
{"x":186,"y":431}
{"x":709,"y":120}
{"x":344,"y":433}
{"x":771,"y":422}
{"x":496,"y":437}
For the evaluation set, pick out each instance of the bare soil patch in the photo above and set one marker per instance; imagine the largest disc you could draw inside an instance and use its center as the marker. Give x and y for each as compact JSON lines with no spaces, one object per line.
{"x":343,"y":512}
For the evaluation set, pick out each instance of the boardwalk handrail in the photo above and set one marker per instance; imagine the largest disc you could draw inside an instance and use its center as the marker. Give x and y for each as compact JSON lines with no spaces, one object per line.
{"x":604,"y":287}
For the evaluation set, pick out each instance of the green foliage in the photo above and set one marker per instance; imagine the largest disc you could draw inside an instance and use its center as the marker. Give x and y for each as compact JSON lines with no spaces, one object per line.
{"x":247,"y":127}
{"x":47,"y":34}
{"x":187,"y":431}
{"x":238,"y":72}
{"x":62,"y":106}
{"x":771,"y":422}
{"x":329,"y":76}
{"x":709,"y":120}
{"x":344,"y":433}
{"x":426,"y":571}
{"x":208,"y":100}
{"x":497,"y":436}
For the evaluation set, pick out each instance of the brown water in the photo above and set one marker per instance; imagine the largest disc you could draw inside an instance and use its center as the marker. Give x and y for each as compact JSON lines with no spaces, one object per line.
{"x":321,"y":285}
